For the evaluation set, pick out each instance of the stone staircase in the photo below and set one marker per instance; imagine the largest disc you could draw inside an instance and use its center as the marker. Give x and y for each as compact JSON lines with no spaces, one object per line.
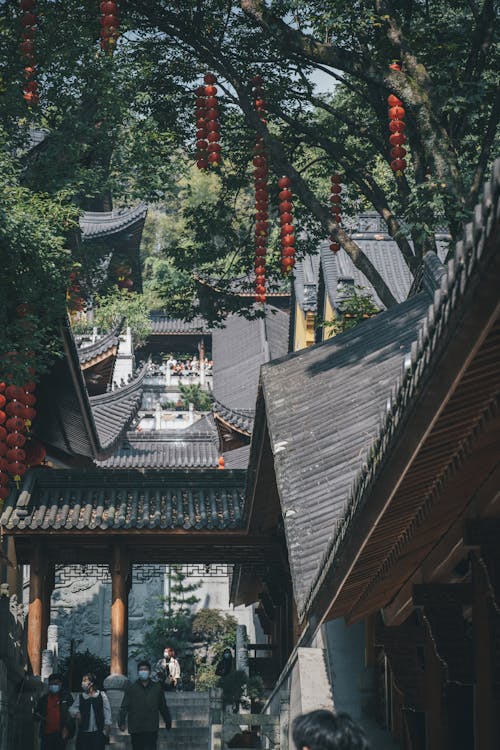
{"x":190,"y":725}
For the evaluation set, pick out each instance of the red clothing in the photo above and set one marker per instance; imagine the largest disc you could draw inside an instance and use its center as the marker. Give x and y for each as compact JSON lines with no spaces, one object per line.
{"x":53,"y":718}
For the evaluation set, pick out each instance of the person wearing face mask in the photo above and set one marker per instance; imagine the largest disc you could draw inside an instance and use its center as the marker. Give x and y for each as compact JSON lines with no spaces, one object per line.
{"x":52,"y":711}
{"x":167,"y":670}
{"x":92,"y":710}
{"x":142,"y":703}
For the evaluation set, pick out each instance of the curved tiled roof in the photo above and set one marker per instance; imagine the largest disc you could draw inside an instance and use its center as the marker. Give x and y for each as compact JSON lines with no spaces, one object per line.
{"x":114,"y":411}
{"x":240,"y":420}
{"x":379,"y":247}
{"x":121,"y":500}
{"x":164,"y":449}
{"x":98,"y":224}
{"x":103,"y":344}
{"x":164,"y":324}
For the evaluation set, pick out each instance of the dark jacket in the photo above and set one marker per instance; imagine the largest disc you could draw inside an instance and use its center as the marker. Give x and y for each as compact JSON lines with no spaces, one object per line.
{"x":142,"y":704}
{"x":65,"y":702}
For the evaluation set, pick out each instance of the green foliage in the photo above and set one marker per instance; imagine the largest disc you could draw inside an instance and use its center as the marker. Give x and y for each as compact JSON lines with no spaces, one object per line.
{"x":117,"y":304}
{"x":194,"y":394}
{"x":36,"y":263}
{"x":206,"y":678}
{"x":355,"y":308}
{"x":74,"y":667}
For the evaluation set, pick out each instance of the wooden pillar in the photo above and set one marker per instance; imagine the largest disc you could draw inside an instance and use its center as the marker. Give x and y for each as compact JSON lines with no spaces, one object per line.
{"x":38,"y":569}
{"x":120,"y":568}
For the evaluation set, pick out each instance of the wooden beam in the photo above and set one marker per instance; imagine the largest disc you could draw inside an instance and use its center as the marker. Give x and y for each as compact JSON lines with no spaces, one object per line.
{"x":120,"y":571}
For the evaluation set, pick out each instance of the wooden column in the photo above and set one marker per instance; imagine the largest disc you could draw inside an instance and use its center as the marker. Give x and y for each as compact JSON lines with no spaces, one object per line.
{"x":120,"y":568}
{"x":38,"y":570}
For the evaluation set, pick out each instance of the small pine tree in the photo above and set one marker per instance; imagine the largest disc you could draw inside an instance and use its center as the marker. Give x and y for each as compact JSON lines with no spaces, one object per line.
{"x":173,"y":624}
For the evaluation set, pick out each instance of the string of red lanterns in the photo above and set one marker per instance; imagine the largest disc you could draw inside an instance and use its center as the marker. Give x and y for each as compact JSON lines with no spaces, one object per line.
{"x":397,"y":127}
{"x":207,"y":124}
{"x":4,"y":476}
{"x":110,"y":25}
{"x":74,"y":299}
{"x":260,"y":174}
{"x":212,"y":120}
{"x":335,"y":207}
{"x":29,"y":21}
{"x":201,"y":128}
{"x":286,"y":220}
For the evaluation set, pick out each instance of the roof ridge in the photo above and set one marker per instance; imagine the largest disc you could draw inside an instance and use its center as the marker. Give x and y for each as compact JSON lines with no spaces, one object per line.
{"x":118,"y":393}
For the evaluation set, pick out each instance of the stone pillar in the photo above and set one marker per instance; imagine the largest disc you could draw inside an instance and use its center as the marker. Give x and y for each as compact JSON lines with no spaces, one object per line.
{"x":120,"y":568}
{"x":241,"y":649}
{"x":191,"y":414}
{"x":169,"y":372}
{"x":38,"y":570}
{"x":158,"y":417}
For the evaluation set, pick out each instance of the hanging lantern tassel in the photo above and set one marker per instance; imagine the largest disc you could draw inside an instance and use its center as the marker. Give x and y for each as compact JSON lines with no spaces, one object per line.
{"x":335,"y":208}
{"x":29,"y":21}
{"x":286,"y":221}
{"x":261,"y":172}
{"x":212,"y":120}
{"x":110,"y":25}
{"x":397,"y":127}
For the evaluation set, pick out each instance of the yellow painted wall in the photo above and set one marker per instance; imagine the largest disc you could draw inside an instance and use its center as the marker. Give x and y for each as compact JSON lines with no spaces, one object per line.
{"x":328,"y":315}
{"x":303,"y":334}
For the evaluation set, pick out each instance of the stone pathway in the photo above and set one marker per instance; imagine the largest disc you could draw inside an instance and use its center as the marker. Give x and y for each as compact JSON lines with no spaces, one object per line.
{"x":190,"y":725}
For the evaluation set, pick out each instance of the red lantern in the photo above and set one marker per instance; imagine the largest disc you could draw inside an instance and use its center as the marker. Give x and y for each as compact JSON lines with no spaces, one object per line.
{"x":35,"y":452}
{"x":15,"y":440}
{"x":16,"y":470}
{"x":4,"y":478}
{"x":110,"y":24}
{"x":396,"y":128}
{"x":15,"y":454}
{"x":29,"y":21}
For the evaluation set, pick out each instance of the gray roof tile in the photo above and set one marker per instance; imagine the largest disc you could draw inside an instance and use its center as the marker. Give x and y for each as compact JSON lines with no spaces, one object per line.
{"x":324,"y":405}
{"x":164,"y":449}
{"x":100,"y":500}
{"x":238,"y":351}
{"x":98,"y":224}
{"x":164,"y":324}
{"x":102,"y":345}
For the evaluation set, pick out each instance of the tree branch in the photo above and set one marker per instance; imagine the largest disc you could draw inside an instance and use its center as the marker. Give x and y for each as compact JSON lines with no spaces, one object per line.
{"x":482,"y":162}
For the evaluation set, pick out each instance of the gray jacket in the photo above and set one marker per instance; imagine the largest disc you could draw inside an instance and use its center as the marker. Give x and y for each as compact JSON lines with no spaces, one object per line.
{"x":142,"y":704}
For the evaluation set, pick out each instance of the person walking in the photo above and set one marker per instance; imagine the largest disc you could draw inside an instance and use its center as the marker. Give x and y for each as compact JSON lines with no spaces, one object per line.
{"x":141,"y":704}
{"x":92,"y":710}
{"x":52,"y":711}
